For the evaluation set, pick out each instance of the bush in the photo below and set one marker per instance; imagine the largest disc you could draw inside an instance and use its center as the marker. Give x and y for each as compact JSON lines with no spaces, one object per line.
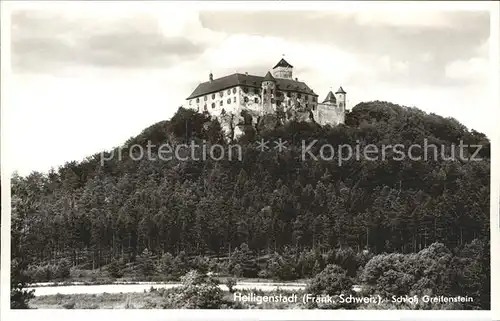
{"x":198,"y":292}
{"x":237,"y":271}
{"x":19,"y":296}
{"x":333,"y":280}
{"x":281,"y":267}
{"x":115,"y":269}
{"x":167,"y":264}
{"x":230,"y":283}
{"x":63,"y":269}
{"x":41,"y":273}
{"x":69,"y":305}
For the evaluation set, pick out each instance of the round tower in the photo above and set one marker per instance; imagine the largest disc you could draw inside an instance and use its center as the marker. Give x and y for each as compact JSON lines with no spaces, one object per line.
{"x":268,"y":94}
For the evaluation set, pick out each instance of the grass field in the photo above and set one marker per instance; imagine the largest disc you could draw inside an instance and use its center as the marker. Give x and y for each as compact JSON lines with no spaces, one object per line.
{"x":146,"y":300}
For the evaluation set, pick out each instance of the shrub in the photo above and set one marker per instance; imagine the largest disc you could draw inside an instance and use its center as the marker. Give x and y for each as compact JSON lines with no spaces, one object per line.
{"x":333,"y":280}
{"x":230,"y":283}
{"x":63,"y":269}
{"x":198,"y":292}
{"x":69,"y":305}
{"x":115,"y":269}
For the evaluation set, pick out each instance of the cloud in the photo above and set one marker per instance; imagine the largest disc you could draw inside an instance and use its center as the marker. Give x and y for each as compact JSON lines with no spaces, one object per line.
{"x":474,"y":69}
{"x":44,"y":40}
{"x":424,"y":42}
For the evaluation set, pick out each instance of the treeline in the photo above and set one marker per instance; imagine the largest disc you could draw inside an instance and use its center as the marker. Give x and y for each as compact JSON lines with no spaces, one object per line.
{"x":271,"y":201}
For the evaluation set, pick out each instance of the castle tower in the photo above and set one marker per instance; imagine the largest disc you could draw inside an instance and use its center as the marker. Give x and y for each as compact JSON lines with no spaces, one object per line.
{"x":268,"y":94}
{"x":341,"y":98}
{"x":283,"y":70}
{"x":330,"y":99}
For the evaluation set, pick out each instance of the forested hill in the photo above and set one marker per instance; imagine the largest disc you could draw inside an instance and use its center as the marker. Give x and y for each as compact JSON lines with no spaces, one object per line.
{"x":269,"y":200}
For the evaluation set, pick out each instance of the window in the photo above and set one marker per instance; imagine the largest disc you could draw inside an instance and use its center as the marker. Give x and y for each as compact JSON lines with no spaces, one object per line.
{"x":229,"y":100}
{"x":205,"y":107}
{"x":245,"y":99}
{"x":314,"y":99}
{"x":205,"y":98}
{"x":234,"y":90}
{"x":198,"y":99}
{"x":256,"y":100}
{"x":265,"y":91}
{"x":234,"y":99}
{"x":278,"y":94}
{"x":223,"y":111}
{"x":190,"y":101}
{"x":299,"y":96}
{"x":229,"y":91}
{"x":289,"y":94}
{"x":245,"y":90}
{"x":272,"y":91}
{"x":213,"y":96}
{"x":314,"y":107}
{"x":289,"y":102}
{"x":221,"y":103}
{"x":213,"y":105}
{"x":272,"y":100}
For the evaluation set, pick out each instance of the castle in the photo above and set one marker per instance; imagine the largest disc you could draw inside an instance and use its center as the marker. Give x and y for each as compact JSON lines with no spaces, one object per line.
{"x":276,"y":93}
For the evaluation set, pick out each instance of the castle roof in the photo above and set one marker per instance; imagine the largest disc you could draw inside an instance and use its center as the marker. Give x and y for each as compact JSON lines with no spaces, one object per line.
{"x":330,"y":98}
{"x":340,"y":91}
{"x":282,"y":63}
{"x":237,"y":79}
{"x":269,"y":77}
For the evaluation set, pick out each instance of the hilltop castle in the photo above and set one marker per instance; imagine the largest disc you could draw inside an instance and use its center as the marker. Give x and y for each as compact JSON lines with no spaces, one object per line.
{"x":277,"y":92}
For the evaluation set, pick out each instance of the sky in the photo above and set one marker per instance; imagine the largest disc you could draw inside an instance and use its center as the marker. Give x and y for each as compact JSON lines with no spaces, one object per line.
{"x":85,"y":77}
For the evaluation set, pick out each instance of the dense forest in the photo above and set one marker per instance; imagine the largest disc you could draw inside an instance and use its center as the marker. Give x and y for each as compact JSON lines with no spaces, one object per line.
{"x":270,"y":205}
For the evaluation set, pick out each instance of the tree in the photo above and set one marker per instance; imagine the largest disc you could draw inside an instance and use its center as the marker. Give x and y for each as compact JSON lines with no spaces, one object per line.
{"x":333,"y":280}
{"x":146,"y":263}
{"x":198,"y":292}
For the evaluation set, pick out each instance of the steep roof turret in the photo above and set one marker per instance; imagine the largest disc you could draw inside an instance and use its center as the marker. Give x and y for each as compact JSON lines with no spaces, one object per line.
{"x":330,"y":98}
{"x":269,"y":77}
{"x":282,"y":63}
{"x":340,"y":91}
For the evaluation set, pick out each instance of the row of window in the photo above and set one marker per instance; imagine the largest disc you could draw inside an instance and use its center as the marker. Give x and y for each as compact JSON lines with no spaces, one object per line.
{"x":221,"y":103}
{"x":279,"y":94}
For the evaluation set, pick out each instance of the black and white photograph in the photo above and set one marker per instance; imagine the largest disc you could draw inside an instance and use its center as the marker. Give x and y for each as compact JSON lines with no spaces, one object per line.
{"x":253,"y":155}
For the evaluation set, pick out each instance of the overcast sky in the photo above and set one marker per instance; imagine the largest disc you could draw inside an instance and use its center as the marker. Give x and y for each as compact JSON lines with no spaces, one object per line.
{"x":87,"y":76}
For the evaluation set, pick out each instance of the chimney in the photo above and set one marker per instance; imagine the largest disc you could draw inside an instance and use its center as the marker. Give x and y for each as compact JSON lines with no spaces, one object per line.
{"x":210,"y":77}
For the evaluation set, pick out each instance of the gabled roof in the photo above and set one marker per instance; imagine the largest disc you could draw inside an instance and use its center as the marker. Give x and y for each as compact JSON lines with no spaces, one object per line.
{"x":234,"y":80}
{"x":283,"y":63}
{"x":269,"y":77}
{"x":330,"y":98}
{"x":340,"y":91}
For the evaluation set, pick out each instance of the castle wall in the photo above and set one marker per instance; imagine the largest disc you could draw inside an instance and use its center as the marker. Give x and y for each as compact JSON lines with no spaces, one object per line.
{"x":250,"y":103}
{"x":212,"y":102}
{"x":326,"y":114}
{"x":294,"y":102}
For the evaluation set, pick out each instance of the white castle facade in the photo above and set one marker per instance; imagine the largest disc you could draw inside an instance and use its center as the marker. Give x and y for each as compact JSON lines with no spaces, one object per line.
{"x":275,"y":92}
